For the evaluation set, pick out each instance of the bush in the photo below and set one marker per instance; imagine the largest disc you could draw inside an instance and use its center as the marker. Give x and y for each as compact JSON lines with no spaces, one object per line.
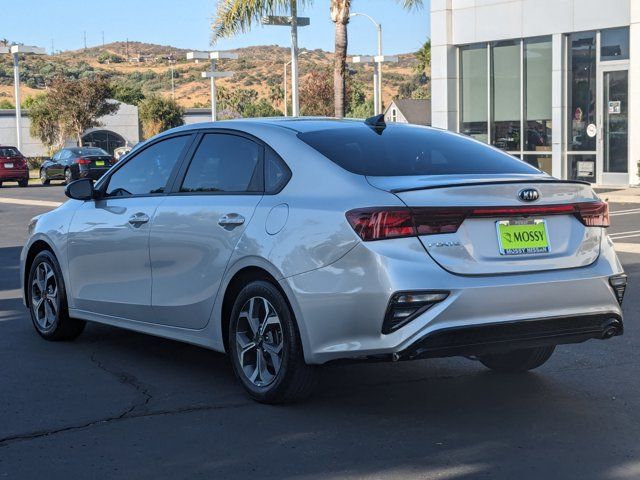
{"x":158,"y":114}
{"x":34,"y":163}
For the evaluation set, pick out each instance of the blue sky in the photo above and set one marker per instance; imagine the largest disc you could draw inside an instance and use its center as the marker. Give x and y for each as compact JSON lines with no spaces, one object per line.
{"x":186,"y":23}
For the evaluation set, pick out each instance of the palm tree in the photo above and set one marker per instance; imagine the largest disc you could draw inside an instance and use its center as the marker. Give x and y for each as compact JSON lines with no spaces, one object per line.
{"x":234,"y":16}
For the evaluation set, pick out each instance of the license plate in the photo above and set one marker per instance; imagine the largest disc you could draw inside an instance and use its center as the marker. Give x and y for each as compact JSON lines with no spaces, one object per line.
{"x":522,"y":237}
{"x":99,"y":163}
{"x":8,"y":165}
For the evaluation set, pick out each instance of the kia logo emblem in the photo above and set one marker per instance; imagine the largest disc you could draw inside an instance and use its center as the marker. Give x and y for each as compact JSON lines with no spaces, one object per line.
{"x":528,"y":194}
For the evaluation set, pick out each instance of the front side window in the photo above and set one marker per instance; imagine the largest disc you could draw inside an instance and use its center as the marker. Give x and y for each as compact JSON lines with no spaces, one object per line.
{"x":147,"y":172}
{"x":224,"y":164}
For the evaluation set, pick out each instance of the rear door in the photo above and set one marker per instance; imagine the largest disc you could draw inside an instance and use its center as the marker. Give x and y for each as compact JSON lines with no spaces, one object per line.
{"x":501,"y":230}
{"x":197,"y":227}
{"x":108,"y":245}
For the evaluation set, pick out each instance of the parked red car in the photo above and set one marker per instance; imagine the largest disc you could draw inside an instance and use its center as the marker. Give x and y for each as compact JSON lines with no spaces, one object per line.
{"x":13,"y":166}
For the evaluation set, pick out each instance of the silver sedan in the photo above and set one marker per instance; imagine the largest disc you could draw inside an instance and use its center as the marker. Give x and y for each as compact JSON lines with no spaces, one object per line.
{"x":290,"y":243}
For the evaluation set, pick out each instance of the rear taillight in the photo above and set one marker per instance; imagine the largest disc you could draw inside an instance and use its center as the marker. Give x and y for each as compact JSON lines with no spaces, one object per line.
{"x":594,"y":214}
{"x":382,"y":223}
{"x":83,"y":161}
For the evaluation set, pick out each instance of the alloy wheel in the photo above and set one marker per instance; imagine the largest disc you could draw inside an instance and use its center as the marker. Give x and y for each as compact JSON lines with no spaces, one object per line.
{"x":44,"y":296}
{"x":259,"y":341}
{"x":43,"y":176}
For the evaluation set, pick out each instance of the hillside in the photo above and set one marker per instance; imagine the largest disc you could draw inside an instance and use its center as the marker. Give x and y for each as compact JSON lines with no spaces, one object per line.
{"x":258,"y":68}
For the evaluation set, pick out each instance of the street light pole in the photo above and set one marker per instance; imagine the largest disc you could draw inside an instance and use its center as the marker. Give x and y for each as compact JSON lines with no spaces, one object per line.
{"x":294,"y":22}
{"x":213,"y":74}
{"x":16,"y":50}
{"x":377,"y":68}
{"x":286,"y":107}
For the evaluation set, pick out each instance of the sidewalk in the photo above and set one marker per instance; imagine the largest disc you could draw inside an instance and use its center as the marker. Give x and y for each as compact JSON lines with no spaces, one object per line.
{"x":619,"y":195}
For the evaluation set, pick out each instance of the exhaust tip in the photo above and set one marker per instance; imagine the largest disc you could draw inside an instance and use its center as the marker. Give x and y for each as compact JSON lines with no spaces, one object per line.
{"x":610,"y":329}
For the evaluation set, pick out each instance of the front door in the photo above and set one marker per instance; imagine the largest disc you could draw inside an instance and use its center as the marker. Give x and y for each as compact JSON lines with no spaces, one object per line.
{"x":613,"y":141}
{"x":109,"y":268}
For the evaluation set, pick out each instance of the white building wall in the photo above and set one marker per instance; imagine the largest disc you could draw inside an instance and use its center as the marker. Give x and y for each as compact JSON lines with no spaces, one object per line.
{"x":634,"y":92}
{"x":124,"y":122}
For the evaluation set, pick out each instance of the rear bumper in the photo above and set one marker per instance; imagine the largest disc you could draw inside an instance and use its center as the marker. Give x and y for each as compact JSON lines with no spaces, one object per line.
{"x":489,"y":338}
{"x":92,"y":173}
{"x":341,"y":307}
{"x":13,"y":175}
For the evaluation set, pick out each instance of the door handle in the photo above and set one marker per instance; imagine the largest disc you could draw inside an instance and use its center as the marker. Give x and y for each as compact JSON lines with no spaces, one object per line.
{"x":138,"y":219}
{"x":231,"y":220}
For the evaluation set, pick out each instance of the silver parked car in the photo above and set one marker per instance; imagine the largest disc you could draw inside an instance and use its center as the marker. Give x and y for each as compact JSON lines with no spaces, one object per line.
{"x":290,"y":243}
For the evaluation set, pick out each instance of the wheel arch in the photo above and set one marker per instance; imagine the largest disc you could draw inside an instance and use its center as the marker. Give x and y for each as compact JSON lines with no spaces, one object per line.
{"x":238,"y":280}
{"x":35,"y":248}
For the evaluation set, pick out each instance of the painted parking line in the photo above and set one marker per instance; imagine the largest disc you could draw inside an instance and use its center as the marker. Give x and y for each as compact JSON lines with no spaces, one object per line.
{"x":33,"y":203}
{"x":624,"y":212}
{"x":628,"y":234}
{"x":627,"y":247}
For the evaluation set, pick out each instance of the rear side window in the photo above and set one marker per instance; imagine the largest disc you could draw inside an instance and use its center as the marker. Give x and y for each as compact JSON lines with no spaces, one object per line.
{"x":406,"y":150}
{"x":9,"y":152}
{"x":224,"y":164}
{"x":147,"y":172}
{"x":277,"y":174}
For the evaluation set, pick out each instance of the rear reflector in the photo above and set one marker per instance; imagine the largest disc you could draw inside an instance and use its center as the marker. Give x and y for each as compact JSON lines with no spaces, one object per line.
{"x":83,"y":161}
{"x":406,"y":306}
{"x":383,"y":223}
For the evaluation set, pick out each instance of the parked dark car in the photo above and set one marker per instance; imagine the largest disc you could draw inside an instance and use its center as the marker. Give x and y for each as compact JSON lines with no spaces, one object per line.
{"x":73,"y":163}
{"x":13,"y":166}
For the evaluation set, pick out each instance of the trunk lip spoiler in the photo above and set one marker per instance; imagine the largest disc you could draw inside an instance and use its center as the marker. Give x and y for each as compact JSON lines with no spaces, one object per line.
{"x":489,"y":182}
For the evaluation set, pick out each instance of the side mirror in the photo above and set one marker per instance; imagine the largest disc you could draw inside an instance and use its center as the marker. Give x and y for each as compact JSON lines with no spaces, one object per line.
{"x":80,"y":189}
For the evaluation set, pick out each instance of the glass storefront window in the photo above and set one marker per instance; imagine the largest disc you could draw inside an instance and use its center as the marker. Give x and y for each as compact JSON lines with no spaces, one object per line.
{"x":614,"y":44}
{"x":505,"y":95}
{"x":582,"y":167}
{"x":540,"y":161}
{"x":582,"y":91}
{"x":473,"y":91}
{"x":616,"y":122}
{"x":538,"y":66}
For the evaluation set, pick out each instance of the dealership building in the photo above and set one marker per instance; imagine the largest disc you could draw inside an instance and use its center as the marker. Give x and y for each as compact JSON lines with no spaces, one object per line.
{"x":554,"y":82}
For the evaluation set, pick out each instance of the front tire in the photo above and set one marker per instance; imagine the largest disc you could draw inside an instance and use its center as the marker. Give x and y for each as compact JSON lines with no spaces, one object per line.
{"x":265,"y":347}
{"x":68,"y":176}
{"x":47,"y":299}
{"x":43,"y":177}
{"x":517,"y":361}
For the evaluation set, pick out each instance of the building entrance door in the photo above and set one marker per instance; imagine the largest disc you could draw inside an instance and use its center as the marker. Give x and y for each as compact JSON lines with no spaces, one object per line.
{"x":613,"y":131}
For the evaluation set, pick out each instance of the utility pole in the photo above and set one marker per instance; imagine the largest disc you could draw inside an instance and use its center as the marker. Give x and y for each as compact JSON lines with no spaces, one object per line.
{"x":85,"y":39}
{"x":102,"y":38}
{"x":52,"y":49}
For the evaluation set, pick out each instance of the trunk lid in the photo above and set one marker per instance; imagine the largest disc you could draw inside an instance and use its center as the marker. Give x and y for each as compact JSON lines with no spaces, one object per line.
{"x":477,"y":247}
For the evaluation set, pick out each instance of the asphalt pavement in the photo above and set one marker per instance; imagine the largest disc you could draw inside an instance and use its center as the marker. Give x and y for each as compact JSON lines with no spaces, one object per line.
{"x":116,"y":404}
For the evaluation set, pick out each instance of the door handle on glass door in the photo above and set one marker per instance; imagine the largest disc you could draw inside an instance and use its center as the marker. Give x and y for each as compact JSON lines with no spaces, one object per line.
{"x":138,"y":219}
{"x":231,"y":220}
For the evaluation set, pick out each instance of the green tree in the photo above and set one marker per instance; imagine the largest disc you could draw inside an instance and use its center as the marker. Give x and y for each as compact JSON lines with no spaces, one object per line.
{"x":69,"y":108}
{"x":158,"y":114}
{"x":234,"y":16}
{"x":46,"y":124}
{"x":261,"y":108}
{"x":423,"y":55}
{"x":126,"y":93}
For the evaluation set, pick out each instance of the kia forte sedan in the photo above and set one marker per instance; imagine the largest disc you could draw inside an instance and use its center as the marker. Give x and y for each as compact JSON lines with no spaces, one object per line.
{"x":291,"y":243}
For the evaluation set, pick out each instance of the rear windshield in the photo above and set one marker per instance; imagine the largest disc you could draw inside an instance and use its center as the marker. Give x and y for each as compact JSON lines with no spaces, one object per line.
{"x":9,"y":152}
{"x":88,"y":151}
{"x":405,"y":150}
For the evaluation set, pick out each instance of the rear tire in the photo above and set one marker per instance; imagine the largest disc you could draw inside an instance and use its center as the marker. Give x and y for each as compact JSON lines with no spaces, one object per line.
{"x":43,"y":177}
{"x":518,"y":361}
{"x":265,"y":347}
{"x":23,"y":183}
{"x":47,"y":299}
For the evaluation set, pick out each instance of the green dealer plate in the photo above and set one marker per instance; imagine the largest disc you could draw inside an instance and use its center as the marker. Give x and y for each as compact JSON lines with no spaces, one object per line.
{"x":522,"y":237}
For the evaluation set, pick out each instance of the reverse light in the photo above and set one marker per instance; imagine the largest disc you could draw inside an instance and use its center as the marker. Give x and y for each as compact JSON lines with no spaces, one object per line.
{"x":619,"y":285}
{"x":406,"y":306}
